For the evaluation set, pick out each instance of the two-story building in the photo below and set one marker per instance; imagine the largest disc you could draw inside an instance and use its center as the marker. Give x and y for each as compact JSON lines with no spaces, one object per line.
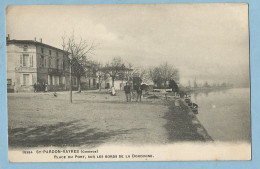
{"x":31,"y":62}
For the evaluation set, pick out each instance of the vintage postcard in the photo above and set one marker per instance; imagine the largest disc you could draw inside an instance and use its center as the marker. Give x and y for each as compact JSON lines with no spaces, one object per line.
{"x":132,"y":82}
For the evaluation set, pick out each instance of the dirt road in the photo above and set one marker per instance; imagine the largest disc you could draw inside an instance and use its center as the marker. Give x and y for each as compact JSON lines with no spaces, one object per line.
{"x":94,"y":118}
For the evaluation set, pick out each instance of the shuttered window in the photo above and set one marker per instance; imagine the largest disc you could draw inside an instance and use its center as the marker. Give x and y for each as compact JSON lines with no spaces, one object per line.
{"x":21,"y":60}
{"x":26,"y":60}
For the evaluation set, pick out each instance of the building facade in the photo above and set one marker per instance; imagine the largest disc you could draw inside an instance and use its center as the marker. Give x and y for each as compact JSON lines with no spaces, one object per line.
{"x":31,"y":63}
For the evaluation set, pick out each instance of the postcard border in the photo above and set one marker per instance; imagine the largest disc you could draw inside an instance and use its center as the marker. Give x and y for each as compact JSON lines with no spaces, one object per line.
{"x":254,"y":25}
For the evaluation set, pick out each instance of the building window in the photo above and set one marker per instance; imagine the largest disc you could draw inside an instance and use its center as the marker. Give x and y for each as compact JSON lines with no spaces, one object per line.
{"x":25,"y":48}
{"x":94,"y":82}
{"x":45,"y":62}
{"x":42,"y":61}
{"x":25,"y":79}
{"x":74,"y":81}
{"x":57,"y":80}
{"x":49,"y":62}
{"x":26,"y":60}
{"x":57,"y":63}
{"x":50,"y":79}
{"x":42,"y":50}
{"x":50,"y":52}
{"x":63,"y":65}
{"x":9,"y":81}
{"x":63,"y":80}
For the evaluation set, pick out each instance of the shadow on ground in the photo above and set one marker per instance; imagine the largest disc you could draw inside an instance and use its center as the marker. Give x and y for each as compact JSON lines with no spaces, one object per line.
{"x":62,"y":134}
{"x":179,"y":125}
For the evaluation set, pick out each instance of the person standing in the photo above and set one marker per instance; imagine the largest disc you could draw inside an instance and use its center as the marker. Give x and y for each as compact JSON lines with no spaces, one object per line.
{"x":127,"y":90}
{"x":113,"y":91}
{"x":46,"y":87}
{"x":35,"y":87}
{"x":38,"y":86}
{"x":139,"y":93}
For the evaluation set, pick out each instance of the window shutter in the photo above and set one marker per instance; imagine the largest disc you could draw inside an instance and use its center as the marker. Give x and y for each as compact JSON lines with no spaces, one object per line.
{"x":21,"y":60}
{"x":49,"y":79}
{"x":30,"y":60}
{"x":21,"y":79}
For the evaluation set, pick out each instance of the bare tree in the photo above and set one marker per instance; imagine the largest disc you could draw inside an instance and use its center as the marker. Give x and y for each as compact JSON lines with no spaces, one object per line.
{"x":78,"y":52}
{"x":155,"y":75}
{"x":96,"y":68}
{"x":168,"y":72}
{"x":142,"y":73}
{"x":115,"y":69}
{"x":163,"y":73}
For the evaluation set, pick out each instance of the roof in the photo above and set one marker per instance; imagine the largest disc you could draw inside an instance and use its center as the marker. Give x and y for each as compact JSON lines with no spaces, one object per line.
{"x":32,"y":42}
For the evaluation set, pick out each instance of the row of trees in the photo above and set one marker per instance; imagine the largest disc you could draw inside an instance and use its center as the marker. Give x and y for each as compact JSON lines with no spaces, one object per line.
{"x":207,"y":85}
{"x":80,"y":65}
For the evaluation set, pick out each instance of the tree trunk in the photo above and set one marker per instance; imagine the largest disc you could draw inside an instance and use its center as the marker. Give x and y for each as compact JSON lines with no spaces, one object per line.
{"x":79,"y":85}
{"x":99,"y":86}
{"x":70,"y":83}
{"x":113,"y":80}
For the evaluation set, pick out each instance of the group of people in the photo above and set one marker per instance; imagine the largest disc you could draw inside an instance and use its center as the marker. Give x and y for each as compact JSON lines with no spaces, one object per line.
{"x":129,"y":92}
{"x":40,"y":87}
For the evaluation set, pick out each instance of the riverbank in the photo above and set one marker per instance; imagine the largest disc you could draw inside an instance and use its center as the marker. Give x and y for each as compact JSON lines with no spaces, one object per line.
{"x":183,"y":125}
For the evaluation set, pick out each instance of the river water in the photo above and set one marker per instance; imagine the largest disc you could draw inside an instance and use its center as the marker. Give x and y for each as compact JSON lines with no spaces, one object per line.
{"x":225,"y":114}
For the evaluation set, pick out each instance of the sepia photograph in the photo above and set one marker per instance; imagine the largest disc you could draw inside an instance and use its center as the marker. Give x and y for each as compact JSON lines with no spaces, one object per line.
{"x":128,"y":82}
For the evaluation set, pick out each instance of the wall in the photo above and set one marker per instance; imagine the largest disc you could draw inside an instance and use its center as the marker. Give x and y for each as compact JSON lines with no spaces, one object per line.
{"x":49,"y":68}
{"x":15,"y":68}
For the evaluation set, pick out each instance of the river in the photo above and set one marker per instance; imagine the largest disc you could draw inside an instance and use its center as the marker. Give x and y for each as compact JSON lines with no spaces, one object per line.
{"x":225,"y":114}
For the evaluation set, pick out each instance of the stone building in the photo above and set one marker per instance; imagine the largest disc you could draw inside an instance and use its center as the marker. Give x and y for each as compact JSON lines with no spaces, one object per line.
{"x":31,"y":62}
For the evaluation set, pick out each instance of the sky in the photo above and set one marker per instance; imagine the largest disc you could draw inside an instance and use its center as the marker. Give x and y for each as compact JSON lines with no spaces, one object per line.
{"x":209,"y":42}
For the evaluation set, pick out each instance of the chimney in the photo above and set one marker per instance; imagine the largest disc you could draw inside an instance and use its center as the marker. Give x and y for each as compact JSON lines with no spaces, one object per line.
{"x":41,"y":40}
{"x":35,"y":39}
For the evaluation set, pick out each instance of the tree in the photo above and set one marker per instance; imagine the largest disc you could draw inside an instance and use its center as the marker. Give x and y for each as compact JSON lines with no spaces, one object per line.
{"x":173,"y":85}
{"x":78,"y":70}
{"x":155,"y":75}
{"x":115,"y":69}
{"x":142,"y":73}
{"x":206,"y":84}
{"x":168,"y":72}
{"x":97,"y":67}
{"x":78,"y":52}
{"x":163,"y":73}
